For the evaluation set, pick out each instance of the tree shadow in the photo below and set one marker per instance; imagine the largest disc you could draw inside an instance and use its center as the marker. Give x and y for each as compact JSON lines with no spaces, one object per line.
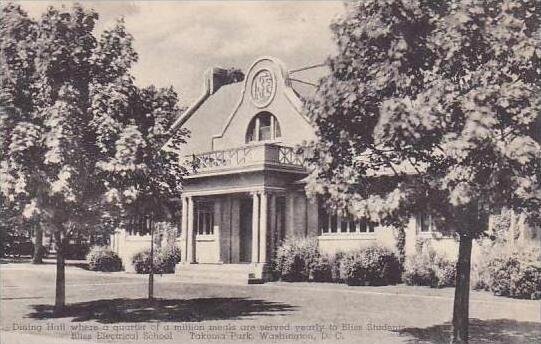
{"x":165,"y":310}
{"x":498,"y":331}
{"x":21,"y":298}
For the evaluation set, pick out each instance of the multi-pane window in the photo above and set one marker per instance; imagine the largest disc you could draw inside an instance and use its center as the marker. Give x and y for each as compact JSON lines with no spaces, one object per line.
{"x":138,"y":225}
{"x":336,"y":224}
{"x":424,"y":223}
{"x":204,"y":218}
{"x":263,"y":127}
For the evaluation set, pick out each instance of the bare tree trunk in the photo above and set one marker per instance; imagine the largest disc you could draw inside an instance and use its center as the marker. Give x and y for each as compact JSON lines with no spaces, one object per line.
{"x":462,"y":291}
{"x":38,"y":243}
{"x":60,"y":296}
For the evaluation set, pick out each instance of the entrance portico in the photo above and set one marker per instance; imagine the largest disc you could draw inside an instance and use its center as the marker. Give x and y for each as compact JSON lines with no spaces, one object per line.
{"x":242,"y":195}
{"x":240,"y":227}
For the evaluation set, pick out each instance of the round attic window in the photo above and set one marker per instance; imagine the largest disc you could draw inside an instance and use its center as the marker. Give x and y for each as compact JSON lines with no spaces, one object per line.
{"x":263,"y":88}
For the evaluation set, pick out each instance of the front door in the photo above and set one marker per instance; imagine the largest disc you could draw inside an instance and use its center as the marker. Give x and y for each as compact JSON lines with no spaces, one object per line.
{"x":245,"y":231}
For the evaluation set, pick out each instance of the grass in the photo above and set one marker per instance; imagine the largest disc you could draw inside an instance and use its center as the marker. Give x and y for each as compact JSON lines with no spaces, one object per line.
{"x":421,"y":314}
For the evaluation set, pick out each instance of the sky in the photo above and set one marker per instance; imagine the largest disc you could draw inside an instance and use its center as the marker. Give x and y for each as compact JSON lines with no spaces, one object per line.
{"x":178,"y":40}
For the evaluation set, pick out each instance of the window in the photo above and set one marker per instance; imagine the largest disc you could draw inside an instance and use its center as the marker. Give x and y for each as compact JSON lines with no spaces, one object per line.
{"x":264,"y":126}
{"x":138,"y":225}
{"x":204,"y":218}
{"x":424,"y":223}
{"x":335,"y":224}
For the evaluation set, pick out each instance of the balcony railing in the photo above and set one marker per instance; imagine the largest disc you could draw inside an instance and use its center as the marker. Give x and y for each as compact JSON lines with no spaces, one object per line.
{"x":250,"y":155}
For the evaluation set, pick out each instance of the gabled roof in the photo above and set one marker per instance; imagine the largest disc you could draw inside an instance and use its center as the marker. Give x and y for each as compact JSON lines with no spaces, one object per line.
{"x":217,"y":109}
{"x":210,"y":117}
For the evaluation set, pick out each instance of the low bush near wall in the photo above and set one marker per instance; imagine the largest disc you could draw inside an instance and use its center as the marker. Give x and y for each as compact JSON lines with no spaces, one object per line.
{"x":103,"y":259}
{"x":165,"y":260}
{"x":370,"y":266}
{"x":509,"y":271}
{"x":295,"y":259}
{"x":322,"y":269}
{"x":428,"y":268}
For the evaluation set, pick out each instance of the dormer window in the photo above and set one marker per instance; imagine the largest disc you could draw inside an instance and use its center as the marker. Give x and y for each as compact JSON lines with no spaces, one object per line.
{"x":263,"y":127}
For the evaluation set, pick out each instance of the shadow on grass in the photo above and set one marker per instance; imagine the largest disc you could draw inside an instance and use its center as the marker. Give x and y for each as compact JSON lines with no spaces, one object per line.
{"x":15,"y":260}
{"x":172,"y":310}
{"x":498,"y":331}
{"x":21,"y":298}
{"x":46,"y":261}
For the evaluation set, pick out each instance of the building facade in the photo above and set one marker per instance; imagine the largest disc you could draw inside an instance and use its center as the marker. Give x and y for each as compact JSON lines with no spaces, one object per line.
{"x":245,"y":191}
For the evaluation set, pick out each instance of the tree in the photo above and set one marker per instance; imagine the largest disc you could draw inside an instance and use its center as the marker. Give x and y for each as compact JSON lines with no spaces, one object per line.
{"x":82,"y":143}
{"x":432,"y":106}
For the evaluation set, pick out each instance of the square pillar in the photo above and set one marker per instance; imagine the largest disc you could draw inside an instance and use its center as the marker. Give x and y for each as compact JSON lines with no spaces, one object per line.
{"x":273,"y":228}
{"x":255,"y":228}
{"x":217,"y":223}
{"x":190,"y":233}
{"x":184,"y":230}
{"x":263,"y":218}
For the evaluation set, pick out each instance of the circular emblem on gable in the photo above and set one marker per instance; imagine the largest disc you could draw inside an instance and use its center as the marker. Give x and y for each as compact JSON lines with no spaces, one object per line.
{"x":263,"y":88}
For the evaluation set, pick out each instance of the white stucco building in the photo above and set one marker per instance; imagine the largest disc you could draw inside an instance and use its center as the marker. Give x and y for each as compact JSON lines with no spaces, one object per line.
{"x":245,"y":192}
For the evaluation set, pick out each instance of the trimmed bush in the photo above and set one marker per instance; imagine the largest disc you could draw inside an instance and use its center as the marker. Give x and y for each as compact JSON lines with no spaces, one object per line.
{"x":418,"y":271}
{"x":336,"y":261}
{"x":516,"y":275}
{"x":103,"y":259}
{"x":165,"y":260}
{"x":321,"y":270}
{"x":295,"y":258}
{"x":428,"y":268}
{"x":511,"y":270}
{"x":141,"y":262}
{"x":445,"y":273}
{"x":373,"y":265}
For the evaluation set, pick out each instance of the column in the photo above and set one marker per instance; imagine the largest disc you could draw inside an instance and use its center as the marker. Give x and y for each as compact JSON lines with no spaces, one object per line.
{"x":263,"y":218}
{"x":290,"y":215}
{"x":190,"y":233}
{"x":273,"y":237}
{"x":272,"y":129}
{"x":255,"y":227}
{"x":257,"y":125}
{"x":217,"y":224}
{"x":184,"y":230}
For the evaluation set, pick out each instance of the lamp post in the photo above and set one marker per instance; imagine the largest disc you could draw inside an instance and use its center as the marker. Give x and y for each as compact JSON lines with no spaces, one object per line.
{"x":151,"y":273}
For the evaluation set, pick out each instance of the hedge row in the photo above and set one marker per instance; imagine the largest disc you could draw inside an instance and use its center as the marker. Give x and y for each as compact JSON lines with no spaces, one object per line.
{"x":299,"y":259}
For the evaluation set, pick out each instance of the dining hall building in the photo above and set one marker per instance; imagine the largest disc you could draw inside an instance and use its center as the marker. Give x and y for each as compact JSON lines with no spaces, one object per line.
{"x":245,"y":191}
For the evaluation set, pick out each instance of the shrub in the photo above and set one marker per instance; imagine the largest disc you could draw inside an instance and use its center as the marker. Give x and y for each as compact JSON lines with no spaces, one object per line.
{"x":165,"y":259}
{"x":373,"y":265}
{"x":141,"y":262}
{"x":428,"y":268}
{"x":321,"y":270}
{"x":509,"y":269}
{"x":445,"y":274}
{"x":418,"y":271}
{"x":103,"y":259}
{"x":516,"y":274}
{"x":526,"y":284}
{"x":295,"y":258}
{"x":336,"y":261}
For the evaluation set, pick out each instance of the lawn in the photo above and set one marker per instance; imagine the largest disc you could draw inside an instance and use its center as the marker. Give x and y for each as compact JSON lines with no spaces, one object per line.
{"x":111,"y":307}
